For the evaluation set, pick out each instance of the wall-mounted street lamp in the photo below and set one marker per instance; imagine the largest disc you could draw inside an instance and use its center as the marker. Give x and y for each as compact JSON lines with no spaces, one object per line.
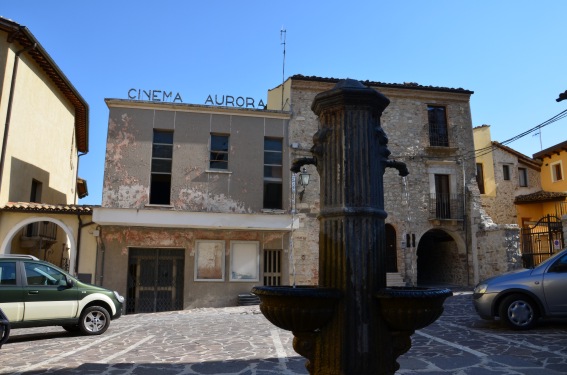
{"x":303,"y":181}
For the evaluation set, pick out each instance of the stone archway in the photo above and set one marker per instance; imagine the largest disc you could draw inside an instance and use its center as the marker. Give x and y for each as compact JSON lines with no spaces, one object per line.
{"x":439,"y":260}
{"x":6,"y":244}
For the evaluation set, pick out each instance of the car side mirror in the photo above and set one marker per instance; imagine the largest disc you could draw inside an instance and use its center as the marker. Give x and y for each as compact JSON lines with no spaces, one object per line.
{"x":70,"y":283}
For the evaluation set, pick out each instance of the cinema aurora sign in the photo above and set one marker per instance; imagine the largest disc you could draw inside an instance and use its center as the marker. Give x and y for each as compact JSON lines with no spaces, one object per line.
{"x":231,"y":101}
{"x":219,"y":100}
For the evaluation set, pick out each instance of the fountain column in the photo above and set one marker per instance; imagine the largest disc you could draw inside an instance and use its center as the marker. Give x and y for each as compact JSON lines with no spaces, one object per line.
{"x":351,"y":323}
{"x":351,"y":154}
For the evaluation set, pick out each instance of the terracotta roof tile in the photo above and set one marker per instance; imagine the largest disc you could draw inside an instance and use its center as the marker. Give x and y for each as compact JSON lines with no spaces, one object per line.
{"x":540,"y":196}
{"x":405,"y":85}
{"x":47,"y":208}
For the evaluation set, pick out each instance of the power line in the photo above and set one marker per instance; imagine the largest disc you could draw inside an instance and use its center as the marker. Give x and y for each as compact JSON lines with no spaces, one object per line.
{"x":488,"y":149}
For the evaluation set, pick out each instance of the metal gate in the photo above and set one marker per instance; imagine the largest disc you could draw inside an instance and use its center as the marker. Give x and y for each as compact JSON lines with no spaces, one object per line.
{"x":155,"y":280}
{"x":541,"y":240}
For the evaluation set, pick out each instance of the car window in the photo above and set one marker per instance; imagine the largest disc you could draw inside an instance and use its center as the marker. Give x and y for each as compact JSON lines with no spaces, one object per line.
{"x":560,"y":264}
{"x":41,"y":274}
{"x":8,"y":273}
{"x":551,"y":259}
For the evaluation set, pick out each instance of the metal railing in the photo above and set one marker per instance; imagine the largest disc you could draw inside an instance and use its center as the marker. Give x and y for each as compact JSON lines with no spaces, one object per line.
{"x":446,"y":206}
{"x":438,"y":135}
{"x":42,"y":229}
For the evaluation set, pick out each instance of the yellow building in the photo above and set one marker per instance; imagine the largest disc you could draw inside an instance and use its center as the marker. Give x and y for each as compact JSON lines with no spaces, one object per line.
{"x":45,"y":131}
{"x":540,"y":212}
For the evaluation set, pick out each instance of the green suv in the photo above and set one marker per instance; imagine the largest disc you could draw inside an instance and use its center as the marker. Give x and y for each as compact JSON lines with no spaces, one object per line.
{"x":35,"y":293}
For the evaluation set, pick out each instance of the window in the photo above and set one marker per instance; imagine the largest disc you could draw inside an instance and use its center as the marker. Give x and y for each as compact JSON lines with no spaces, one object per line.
{"x":438,"y":134}
{"x":480,"y":177}
{"x":33,"y":229}
{"x":8,"y":273}
{"x":272,"y":266}
{"x":244,"y":261}
{"x":273,"y":173}
{"x":35,"y":195}
{"x":523,"y":177}
{"x":209,"y":260}
{"x":506,"y":172}
{"x":442,"y":197}
{"x":162,"y":154}
{"x":219,"y":152}
{"x":556,"y":172}
{"x":40,"y":274}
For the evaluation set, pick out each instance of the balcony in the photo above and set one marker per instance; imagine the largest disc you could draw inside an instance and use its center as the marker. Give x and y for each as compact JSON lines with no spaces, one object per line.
{"x":446,"y":207}
{"x":39,"y":235}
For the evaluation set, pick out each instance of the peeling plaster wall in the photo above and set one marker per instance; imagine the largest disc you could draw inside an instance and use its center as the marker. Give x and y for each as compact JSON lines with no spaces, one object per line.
{"x":118,"y":240}
{"x":194,"y":186}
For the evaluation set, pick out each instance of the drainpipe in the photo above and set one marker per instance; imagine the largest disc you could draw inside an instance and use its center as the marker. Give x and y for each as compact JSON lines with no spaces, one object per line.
{"x":9,"y":109}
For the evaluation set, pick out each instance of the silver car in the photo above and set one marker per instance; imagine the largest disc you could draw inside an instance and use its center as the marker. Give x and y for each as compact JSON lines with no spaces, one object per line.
{"x":521,"y":297}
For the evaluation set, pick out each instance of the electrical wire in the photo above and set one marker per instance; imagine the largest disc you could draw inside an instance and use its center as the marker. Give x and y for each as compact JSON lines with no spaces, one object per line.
{"x":486,"y":150}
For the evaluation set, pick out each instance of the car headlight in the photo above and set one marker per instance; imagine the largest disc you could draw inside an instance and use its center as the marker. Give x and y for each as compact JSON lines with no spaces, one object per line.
{"x":480,"y":289}
{"x":119,"y":297}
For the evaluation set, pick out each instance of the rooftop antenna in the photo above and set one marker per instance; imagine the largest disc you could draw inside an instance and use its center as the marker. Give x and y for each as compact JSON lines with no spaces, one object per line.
{"x":283,"y":37}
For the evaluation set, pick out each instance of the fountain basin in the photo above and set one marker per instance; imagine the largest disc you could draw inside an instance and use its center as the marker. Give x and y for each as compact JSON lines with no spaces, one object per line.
{"x":411,"y":308}
{"x":299,"y":308}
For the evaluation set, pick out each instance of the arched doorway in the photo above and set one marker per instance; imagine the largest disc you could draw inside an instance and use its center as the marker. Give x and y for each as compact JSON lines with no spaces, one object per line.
{"x":391,"y":249}
{"x":439,"y":261}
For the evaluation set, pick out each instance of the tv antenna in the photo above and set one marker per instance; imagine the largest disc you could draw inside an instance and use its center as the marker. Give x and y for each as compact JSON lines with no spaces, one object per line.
{"x":283,"y":33}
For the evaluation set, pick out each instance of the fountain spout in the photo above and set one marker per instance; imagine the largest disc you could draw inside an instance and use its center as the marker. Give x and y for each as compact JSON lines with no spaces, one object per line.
{"x":298,"y":163}
{"x":401,"y":167}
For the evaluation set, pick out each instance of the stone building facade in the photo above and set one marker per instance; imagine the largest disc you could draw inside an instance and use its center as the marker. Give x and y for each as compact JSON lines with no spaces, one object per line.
{"x":503,"y":174}
{"x":433,"y":217}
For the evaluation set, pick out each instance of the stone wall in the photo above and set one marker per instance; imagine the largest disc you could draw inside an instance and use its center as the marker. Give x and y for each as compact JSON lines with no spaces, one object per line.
{"x":498,"y":250}
{"x":407,"y":201}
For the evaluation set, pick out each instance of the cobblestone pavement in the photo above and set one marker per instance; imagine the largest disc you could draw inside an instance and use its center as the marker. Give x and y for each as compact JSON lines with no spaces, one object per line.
{"x":240,"y":341}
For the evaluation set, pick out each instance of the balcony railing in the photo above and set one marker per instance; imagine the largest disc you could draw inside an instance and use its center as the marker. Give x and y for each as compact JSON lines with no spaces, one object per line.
{"x":44,"y":230}
{"x":438,"y":135}
{"x":446,"y":206}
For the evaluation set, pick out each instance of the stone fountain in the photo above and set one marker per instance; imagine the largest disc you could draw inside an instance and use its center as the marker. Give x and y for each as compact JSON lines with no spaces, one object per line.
{"x":351,"y":323}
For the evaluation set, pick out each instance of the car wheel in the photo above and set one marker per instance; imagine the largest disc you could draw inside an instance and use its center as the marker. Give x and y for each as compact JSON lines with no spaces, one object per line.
{"x":94,"y":320}
{"x":72,"y":328}
{"x":518,"y":312}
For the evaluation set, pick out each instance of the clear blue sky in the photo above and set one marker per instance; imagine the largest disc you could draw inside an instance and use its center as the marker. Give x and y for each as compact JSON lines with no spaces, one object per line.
{"x":512,"y":54}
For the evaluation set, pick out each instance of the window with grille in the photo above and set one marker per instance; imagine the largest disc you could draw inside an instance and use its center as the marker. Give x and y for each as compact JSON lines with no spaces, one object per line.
{"x":273,"y":173}
{"x":219,"y":152}
{"x":162,"y":156}
{"x":272,"y":267}
{"x":438,"y":134}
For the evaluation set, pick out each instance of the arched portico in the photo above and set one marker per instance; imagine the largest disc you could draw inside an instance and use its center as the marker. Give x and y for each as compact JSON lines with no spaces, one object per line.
{"x":6,"y":244}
